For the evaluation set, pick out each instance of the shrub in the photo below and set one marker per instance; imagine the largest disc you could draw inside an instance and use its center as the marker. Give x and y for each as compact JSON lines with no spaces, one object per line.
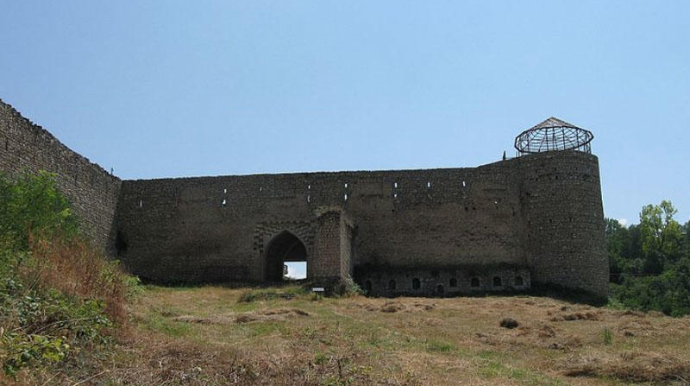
{"x":58,"y":295}
{"x":32,"y":206}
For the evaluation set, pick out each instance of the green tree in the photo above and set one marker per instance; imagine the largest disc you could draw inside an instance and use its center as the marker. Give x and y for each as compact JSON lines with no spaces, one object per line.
{"x":661,"y":236}
{"x":617,"y":241}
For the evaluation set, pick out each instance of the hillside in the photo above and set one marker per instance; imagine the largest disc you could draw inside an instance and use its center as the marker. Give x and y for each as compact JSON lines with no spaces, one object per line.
{"x":283,"y":336}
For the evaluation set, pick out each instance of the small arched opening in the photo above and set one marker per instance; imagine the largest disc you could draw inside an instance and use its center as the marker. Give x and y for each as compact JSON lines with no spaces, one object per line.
{"x":519,"y":281}
{"x":285,"y":258}
{"x":416,"y":284}
{"x":498,"y":282}
{"x":440,"y":290}
{"x":367,"y":286}
{"x":474,"y":282}
{"x":391,"y":285}
{"x":453,"y":282}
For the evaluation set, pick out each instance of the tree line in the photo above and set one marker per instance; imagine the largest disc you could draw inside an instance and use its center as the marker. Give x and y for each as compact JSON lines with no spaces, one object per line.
{"x":650,"y":261}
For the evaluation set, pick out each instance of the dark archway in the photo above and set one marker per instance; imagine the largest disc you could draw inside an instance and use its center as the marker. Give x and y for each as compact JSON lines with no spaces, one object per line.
{"x":284,"y":247}
{"x":416,"y":284}
{"x":439,"y":290}
{"x":519,"y":281}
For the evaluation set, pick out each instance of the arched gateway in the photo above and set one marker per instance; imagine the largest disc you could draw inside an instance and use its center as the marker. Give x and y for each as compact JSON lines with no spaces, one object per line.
{"x":285,"y":247}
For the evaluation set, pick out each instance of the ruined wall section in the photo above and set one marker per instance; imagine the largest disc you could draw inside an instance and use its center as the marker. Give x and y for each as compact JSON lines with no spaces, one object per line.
{"x":214,"y":228}
{"x":91,"y":190}
{"x":564,"y":220}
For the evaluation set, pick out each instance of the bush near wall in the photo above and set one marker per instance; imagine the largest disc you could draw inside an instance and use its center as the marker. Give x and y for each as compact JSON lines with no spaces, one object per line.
{"x":58,"y":295}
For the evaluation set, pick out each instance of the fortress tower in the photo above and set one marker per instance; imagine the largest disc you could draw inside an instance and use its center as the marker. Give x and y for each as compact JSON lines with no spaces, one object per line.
{"x":536,"y":219}
{"x":561,"y":194}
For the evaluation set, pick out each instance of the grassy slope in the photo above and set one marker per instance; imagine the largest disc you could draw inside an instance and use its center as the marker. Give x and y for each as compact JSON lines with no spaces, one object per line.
{"x":205,"y":336}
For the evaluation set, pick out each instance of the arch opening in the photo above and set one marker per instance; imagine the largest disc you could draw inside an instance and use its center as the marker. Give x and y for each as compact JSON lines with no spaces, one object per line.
{"x":416,"y":284}
{"x":519,"y":281}
{"x":439,"y":290}
{"x":285,"y":258}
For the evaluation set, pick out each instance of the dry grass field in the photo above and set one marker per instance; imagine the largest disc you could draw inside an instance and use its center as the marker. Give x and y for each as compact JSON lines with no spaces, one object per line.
{"x":283,"y":336}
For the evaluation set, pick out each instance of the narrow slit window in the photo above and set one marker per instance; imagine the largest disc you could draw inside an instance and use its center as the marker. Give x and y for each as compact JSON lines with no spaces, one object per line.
{"x":224,"y":203}
{"x":428,"y":185}
{"x":345,"y":197}
{"x":141,"y":203}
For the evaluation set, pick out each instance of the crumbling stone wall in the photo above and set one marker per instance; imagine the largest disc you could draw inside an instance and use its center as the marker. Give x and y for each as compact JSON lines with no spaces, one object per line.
{"x":92,"y":191}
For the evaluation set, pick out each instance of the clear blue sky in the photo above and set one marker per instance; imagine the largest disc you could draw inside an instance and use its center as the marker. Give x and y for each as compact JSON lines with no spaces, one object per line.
{"x":182,"y":88}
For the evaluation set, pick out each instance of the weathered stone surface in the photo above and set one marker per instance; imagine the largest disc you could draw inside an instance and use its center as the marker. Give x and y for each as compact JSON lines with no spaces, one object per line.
{"x":536,"y":219}
{"x":92,"y":191}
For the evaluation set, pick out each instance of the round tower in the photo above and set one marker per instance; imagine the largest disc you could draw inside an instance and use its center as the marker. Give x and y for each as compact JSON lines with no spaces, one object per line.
{"x":560,"y":194}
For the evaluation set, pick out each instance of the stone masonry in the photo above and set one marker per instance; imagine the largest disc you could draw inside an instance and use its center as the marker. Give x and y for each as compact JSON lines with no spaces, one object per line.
{"x":509,"y":225}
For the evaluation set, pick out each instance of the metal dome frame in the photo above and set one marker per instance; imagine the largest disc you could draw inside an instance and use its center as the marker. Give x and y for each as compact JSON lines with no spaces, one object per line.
{"x":554,"y":135}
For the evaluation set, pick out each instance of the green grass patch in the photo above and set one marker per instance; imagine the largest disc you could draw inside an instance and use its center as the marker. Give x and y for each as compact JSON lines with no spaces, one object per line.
{"x":439,"y":346}
{"x":494,"y":368}
{"x":159,"y":323}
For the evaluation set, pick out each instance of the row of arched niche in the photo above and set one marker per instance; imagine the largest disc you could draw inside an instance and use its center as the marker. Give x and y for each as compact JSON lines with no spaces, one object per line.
{"x":475,"y":283}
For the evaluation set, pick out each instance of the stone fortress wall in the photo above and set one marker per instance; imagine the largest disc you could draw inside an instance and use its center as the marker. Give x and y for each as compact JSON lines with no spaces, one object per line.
{"x":508,"y":225}
{"x":92,"y":191}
